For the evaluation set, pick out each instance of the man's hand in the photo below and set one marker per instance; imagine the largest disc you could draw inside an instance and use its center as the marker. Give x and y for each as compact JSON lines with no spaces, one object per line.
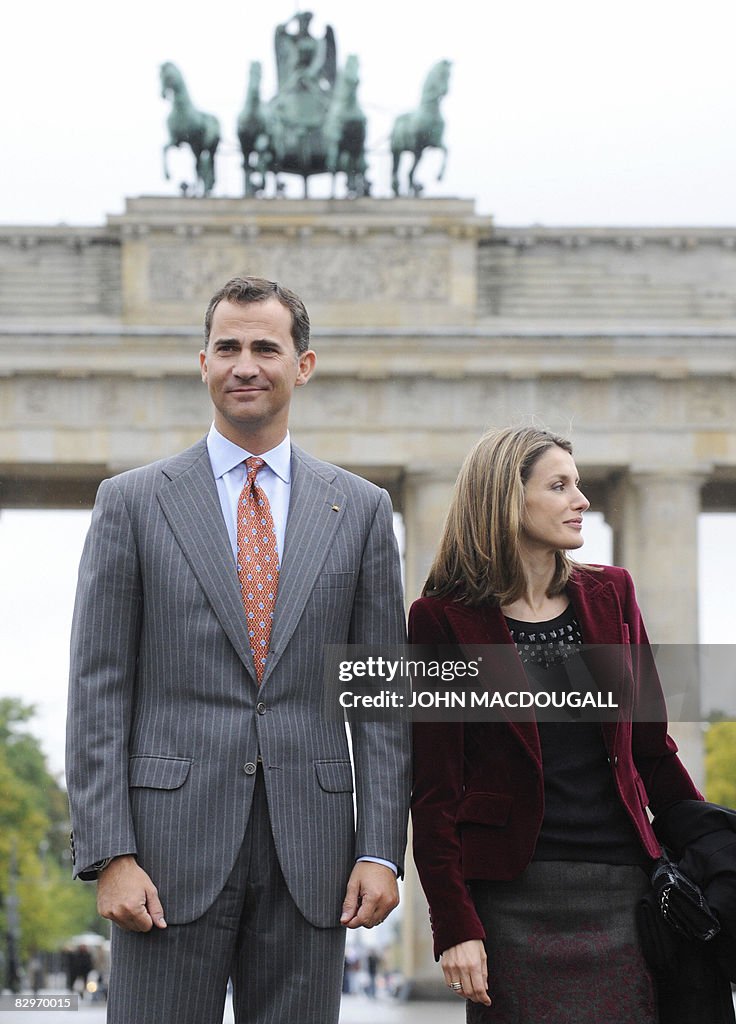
{"x":467,"y":964}
{"x":127,"y":896}
{"x":371,"y":895}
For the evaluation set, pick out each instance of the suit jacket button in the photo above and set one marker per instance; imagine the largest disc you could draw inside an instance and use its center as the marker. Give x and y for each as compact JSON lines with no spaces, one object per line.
{"x":249,"y":768}
{"x":261,"y":708}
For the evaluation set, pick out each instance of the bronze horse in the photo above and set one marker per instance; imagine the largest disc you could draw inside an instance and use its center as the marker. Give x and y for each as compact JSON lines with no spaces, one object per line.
{"x":186,"y":124}
{"x":421,"y":129}
{"x":344,"y":132}
{"x":252,"y":133}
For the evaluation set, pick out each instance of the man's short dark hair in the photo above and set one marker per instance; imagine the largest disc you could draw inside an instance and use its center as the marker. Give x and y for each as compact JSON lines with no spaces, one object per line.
{"x":257,"y":289}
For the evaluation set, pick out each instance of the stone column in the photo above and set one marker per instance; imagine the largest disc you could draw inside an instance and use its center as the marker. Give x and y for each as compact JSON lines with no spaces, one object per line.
{"x":656,"y":539}
{"x":424,"y":978}
{"x":655,"y":516}
{"x":427,"y":493}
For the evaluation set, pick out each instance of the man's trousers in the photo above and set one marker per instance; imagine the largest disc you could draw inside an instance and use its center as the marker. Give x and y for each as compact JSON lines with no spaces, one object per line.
{"x":283,"y":969}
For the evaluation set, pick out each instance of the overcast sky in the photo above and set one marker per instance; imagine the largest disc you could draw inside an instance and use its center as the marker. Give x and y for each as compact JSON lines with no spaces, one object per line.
{"x":577,"y":112}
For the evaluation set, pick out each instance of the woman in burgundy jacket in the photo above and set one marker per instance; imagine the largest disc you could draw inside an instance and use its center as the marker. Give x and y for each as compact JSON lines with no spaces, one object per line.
{"x":532,"y":839}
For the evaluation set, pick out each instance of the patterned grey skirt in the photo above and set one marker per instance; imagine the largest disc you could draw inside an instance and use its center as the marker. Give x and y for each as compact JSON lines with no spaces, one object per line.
{"x":563,"y":947}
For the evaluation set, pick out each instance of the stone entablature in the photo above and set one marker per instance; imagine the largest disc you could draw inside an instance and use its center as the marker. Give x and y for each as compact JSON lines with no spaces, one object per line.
{"x":683,"y":275}
{"x":591,"y":351}
{"x":369,"y":262}
{"x":250,"y":217}
{"x":624,"y":237}
{"x":641,"y":398}
{"x":60,"y":274}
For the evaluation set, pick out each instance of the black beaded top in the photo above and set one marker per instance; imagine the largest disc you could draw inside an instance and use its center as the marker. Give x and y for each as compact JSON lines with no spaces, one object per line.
{"x":546,"y":643}
{"x":584,"y":819}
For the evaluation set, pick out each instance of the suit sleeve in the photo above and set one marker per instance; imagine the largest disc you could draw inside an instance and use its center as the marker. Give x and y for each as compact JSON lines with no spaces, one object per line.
{"x":436,"y":794}
{"x":381,"y":750}
{"x":655,"y":752}
{"x":104,"y":647}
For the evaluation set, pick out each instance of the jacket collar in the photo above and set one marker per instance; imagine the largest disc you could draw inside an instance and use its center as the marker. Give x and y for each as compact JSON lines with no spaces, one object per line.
{"x":597,"y":608}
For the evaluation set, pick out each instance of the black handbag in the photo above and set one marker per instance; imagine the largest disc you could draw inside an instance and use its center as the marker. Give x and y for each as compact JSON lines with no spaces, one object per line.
{"x":692,"y":971}
{"x":670,"y":915}
{"x":676,"y":928}
{"x":681,"y":902}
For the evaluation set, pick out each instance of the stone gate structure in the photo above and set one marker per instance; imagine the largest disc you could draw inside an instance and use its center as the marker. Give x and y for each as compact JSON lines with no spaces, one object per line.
{"x":430,"y":324}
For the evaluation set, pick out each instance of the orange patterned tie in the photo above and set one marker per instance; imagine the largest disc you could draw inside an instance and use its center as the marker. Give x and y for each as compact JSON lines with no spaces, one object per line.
{"x":258,"y":563}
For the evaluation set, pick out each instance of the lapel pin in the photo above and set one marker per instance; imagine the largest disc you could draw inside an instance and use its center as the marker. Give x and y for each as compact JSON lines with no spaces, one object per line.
{"x":335,"y":508}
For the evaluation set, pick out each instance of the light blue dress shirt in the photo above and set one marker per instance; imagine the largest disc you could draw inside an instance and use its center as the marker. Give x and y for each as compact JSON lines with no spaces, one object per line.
{"x":228,"y":466}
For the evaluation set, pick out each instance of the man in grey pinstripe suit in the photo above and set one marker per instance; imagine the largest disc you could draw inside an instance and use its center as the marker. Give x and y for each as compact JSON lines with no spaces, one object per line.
{"x":217,"y":813}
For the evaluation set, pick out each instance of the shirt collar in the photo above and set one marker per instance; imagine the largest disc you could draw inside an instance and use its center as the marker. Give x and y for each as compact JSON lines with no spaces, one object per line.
{"x":224,"y":455}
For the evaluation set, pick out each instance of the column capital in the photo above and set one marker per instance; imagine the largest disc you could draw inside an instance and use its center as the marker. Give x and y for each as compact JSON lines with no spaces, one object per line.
{"x":419,"y":473}
{"x":697,"y":475}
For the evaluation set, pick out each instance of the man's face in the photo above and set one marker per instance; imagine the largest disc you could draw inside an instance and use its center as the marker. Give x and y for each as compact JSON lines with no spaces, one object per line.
{"x":251,"y":368}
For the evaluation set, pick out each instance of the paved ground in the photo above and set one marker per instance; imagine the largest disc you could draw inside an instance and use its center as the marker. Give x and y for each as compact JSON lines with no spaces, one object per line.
{"x":360,"y":1010}
{"x":355,"y":1010}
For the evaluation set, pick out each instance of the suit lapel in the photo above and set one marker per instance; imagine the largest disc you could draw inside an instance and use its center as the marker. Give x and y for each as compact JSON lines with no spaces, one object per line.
{"x":486,"y":626}
{"x":190,"y":502}
{"x":316,"y":509}
{"x":598,"y":611}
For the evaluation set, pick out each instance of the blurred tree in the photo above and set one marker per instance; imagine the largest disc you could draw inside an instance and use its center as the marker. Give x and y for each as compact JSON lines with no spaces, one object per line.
{"x":720,"y":763}
{"x":34,"y":826}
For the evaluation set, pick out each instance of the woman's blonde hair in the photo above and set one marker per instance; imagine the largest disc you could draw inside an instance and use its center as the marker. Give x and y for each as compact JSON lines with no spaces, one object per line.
{"x":478,"y":559}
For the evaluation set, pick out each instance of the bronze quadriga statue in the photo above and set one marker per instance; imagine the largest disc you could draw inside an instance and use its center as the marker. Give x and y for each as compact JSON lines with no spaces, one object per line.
{"x":313,"y":125}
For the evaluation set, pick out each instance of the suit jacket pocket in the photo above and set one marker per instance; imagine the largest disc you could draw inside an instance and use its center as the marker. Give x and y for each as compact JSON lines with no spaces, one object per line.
{"x":334,"y":776}
{"x":484,"y":809}
{"x":153,"y":772}
{"x":334,"y":580}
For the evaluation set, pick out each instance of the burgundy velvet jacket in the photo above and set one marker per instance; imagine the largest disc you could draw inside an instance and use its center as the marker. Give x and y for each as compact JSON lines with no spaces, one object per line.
{"x":478,"y":796}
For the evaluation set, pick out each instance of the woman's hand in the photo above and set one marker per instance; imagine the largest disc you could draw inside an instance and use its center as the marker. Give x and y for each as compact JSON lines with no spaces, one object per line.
{"x":467,"y":964}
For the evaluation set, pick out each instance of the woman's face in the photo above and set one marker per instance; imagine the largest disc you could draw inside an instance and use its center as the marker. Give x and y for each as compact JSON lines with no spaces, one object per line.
{"x":553,"y":503}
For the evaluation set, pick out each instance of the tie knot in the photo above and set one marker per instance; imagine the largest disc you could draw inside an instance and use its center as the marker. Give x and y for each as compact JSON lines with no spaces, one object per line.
{"x":252,"y":465}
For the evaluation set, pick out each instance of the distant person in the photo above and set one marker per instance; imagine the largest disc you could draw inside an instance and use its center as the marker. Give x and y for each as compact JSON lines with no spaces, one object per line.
{"x":209,"y":793}
{"x":532,"y":839}
{"x":350,"y":971}
{"x":80,"y":965}
{"x":36,"y":974}
{"x":372,"y":963}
